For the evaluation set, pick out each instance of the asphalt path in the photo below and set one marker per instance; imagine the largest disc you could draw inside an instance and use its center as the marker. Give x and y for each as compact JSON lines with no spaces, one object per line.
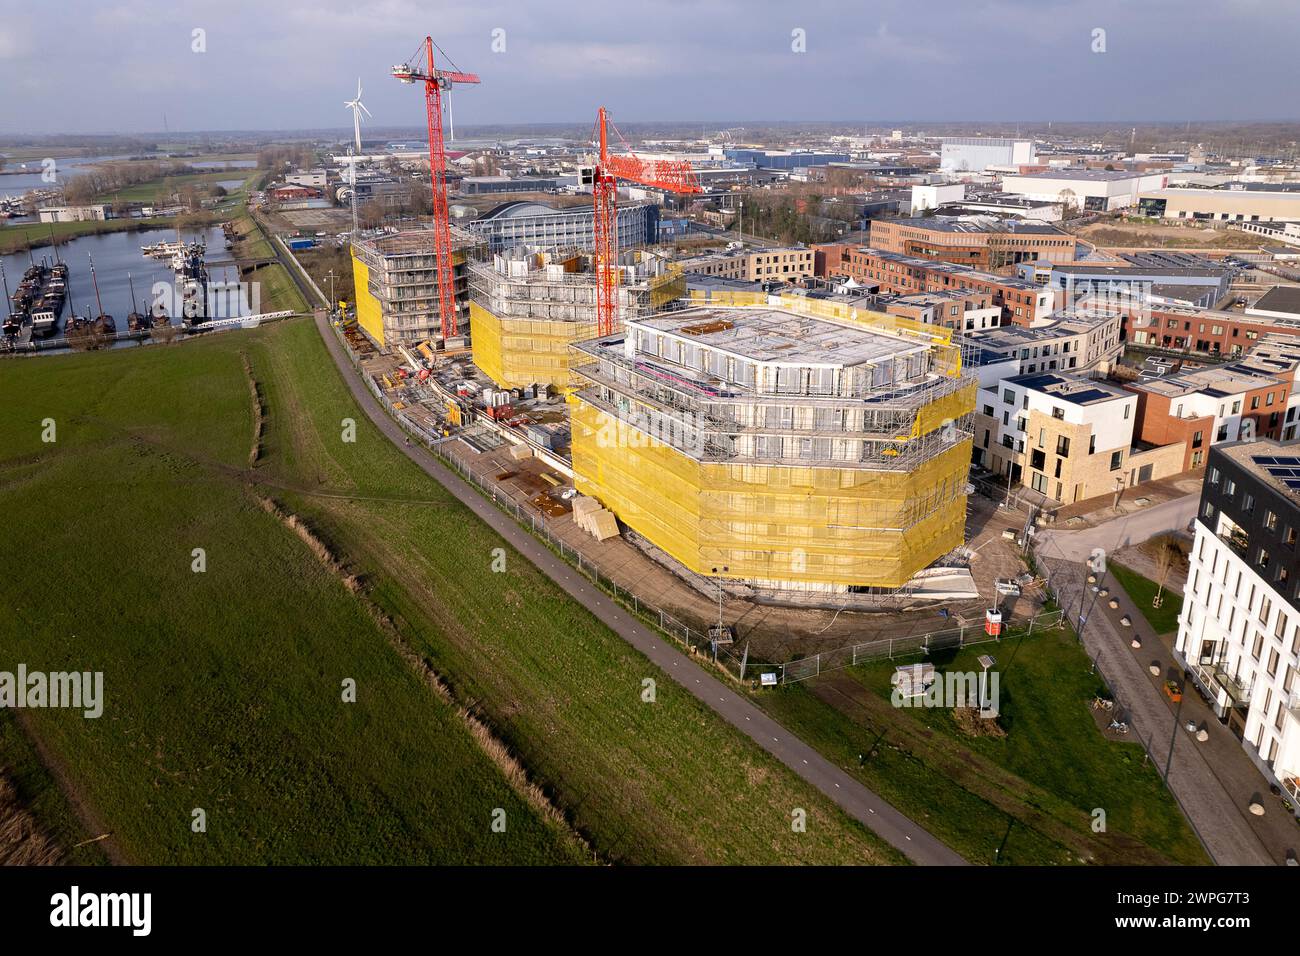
{"x":917,"y":844}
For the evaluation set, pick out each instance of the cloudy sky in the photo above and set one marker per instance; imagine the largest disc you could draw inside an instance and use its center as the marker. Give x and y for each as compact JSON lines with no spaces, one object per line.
{"x":121,"y":65}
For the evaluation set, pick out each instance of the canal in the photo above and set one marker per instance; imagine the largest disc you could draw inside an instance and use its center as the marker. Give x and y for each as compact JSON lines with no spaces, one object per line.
{"x":116,"y":255}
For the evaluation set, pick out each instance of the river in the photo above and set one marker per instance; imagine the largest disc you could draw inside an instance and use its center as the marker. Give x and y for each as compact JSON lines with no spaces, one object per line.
{"x":118,"y":253}
{"x":66,"y":167}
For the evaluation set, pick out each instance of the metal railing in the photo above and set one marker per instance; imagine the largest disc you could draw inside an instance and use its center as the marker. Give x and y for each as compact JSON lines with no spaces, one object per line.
{"x":910,"y":646}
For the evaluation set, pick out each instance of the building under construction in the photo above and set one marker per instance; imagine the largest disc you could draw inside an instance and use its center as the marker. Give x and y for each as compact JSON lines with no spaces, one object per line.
{"x":528,"y":308}
{"x":396,"y":279}
{"x":805,"y":447}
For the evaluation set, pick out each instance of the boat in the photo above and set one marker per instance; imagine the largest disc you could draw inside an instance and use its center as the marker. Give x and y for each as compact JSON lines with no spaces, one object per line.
{"x":103,"y":323}
{"x":192,"y":282}
{"x":12,"y":324}
{"x":52,"y":295}
{"x":134,"y":320}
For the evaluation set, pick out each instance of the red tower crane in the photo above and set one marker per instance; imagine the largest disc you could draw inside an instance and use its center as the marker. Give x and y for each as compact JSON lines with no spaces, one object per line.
{"x":673,"y":175}
{"x":422,"y":67}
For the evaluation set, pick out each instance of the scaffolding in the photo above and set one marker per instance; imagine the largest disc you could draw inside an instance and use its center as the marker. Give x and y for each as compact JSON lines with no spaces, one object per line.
{"x":837,"y":483}
{"x":794,"y":526}
{"x":396,"y":281}
{"x":527,"y":311}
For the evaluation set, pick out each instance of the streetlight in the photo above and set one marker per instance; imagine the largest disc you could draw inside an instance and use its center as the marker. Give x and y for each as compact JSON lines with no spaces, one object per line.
{"x":333,"y":301}
{"x":721,"y":629}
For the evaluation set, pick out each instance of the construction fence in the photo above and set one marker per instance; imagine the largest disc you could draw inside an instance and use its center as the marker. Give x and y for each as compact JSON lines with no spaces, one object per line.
{"x":731,"y":660}
{"x":888,"y":649}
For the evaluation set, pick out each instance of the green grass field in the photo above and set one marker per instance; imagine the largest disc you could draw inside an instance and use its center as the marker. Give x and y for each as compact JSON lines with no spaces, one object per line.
{"x":39,"y":792}
{"x":1026,"y":798}
{"x":161,"y":190}
{"x":223,"y":688}
{"x":1162,"y":619}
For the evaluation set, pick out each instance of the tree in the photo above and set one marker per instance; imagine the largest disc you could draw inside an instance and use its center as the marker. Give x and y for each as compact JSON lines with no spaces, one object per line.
{"x":1168,"y":556}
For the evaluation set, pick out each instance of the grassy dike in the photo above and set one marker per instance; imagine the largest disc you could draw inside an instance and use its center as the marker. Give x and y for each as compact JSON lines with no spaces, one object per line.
{"x":223,"y":687}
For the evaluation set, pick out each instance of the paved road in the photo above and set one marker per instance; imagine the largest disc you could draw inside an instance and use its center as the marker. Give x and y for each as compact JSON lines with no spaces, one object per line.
{"x":1173,"y":515}
{"x":915,"y":843}
{"x":1203,"y":797}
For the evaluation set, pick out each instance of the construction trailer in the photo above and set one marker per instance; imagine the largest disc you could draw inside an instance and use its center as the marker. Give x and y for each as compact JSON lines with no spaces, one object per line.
{"x":802,"y":447}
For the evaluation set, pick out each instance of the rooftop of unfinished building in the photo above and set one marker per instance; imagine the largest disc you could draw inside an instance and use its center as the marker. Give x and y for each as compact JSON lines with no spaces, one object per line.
{"x":410,"y":242}
{"x":783,"y":336}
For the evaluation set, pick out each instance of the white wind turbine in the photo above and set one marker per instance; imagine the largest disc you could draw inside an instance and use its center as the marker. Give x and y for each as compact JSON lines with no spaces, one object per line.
{"x":357,"y":108}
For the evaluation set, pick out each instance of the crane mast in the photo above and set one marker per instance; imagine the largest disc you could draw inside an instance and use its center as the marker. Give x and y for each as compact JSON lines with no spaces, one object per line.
{"x":672,"y":175}
{"x":435,"y":82}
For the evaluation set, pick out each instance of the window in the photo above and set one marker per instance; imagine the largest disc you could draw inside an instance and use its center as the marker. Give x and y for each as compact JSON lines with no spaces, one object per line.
{"x":1116,"y":460}
{"x":1058,"y":413}
{"x":1092,"y":444}
{"x":1127,"y":409}
{"x":1214,"y":476}
{"x":1270,"y":520}
{"x":1038,"y":459}
{"x":1248,"y":504}
{"x":1008,"y":396}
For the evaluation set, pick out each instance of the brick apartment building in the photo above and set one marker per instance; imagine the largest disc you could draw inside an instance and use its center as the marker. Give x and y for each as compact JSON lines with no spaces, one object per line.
{"x":1206,"y":406}
{"x":1202,"y":330}
{"x":980,"y":242}
{"x":1022,"y":302}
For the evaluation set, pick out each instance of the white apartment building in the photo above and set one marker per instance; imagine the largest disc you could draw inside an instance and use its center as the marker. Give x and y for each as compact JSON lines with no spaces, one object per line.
{"x":1239,"y":633}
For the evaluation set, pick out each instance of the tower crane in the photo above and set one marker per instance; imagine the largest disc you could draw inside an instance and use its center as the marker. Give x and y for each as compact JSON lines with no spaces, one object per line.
{"x":421,"y":68}
{"x":672,"y":175}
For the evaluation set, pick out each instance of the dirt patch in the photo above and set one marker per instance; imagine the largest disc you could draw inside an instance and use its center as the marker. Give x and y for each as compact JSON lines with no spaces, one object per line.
{"x":259,"y":413}
{"x":970,"y":723}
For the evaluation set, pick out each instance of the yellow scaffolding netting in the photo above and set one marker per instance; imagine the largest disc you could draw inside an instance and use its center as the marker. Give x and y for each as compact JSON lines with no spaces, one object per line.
{"x":518,"y":352}
{"x":370,"y":314}
{"x":802,"y":525}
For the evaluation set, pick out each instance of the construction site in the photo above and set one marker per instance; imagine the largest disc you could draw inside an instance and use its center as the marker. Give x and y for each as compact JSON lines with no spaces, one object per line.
{"x":794,"y":451}
{"x":397,"y":287}
{"x":806,"y":449}
{"x":528,"y":308}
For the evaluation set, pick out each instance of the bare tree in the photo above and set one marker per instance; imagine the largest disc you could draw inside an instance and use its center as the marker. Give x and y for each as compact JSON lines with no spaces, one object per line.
{"x":1168,"y":556}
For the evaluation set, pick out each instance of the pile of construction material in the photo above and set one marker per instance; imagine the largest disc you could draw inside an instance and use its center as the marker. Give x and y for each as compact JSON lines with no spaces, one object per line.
{"x":598,"y":522}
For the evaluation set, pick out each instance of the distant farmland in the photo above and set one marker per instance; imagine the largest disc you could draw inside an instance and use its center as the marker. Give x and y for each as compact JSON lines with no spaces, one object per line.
{"x":223,"y":687}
